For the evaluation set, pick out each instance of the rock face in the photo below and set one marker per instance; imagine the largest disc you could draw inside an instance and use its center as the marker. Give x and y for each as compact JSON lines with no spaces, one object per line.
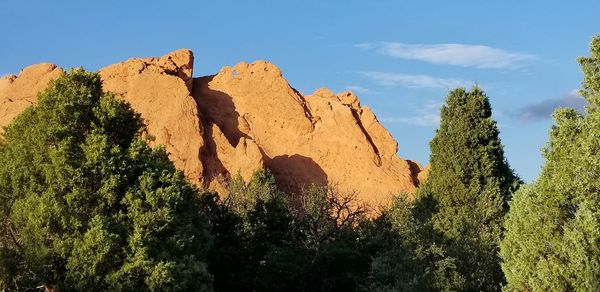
{"x":244,"y":118}
{"x":320,"y":138}
{"x":159,"y":89}
{"x":424,"y":173}
{"x":19,"y":92}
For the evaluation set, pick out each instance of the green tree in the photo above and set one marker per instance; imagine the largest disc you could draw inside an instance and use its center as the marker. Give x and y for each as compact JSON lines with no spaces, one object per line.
{"x":229,"y":258}
{"x":257,"y":240}
{"x":265,"y":243}
{"x":87,"y":205}
{"x":336,"y":239}
{"x":466,"y":194}
{"x":410,"y":257}
{"x":552,"y":238}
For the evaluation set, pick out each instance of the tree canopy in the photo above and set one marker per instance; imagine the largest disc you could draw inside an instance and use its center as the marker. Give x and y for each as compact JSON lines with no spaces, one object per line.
{"x":87,"y":205}
{"x":553,"y":229}
{"x":449,"y":234}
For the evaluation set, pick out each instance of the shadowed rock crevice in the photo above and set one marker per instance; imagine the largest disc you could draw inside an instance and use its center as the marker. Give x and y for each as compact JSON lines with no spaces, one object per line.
{"x":415,"y":170}
{"x":217,"y":107}
{"x":213,"y":167}
{"x":304,"y":105}
{"x":296,"y":172}
{"x":376,"y":157}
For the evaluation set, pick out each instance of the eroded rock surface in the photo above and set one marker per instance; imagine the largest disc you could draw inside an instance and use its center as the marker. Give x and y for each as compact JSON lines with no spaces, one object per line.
{"x":320,"y":138}
{"x":159,"y":89}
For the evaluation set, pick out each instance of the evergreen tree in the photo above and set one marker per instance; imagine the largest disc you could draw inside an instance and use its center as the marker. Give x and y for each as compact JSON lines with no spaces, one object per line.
{"x":257,"y":240}
{"x":411,"y":259}
{"x":264,"y":243}
{"x":87,"y":205}
{"x":552,"y":238}
{"x":465,"y":197}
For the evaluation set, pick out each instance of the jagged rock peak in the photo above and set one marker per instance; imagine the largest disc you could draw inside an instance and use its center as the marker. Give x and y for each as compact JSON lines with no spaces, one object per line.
{"x":179,"y":63}
{"x":318,"y":138}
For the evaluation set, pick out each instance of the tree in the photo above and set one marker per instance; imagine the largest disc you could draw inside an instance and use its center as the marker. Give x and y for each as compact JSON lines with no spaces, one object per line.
{"x":229,"y":258}
{"x":466,"y":194}
{"x":87,"y":205}
{"x":265,"y":243}
{"x":411,"y":258}
{"x":552,"y":238}
{"x":257,"y":241}
{"x":338,"y":250}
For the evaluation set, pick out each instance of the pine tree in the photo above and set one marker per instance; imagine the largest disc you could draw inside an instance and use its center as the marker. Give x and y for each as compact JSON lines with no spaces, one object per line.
{"x":552,"y":238}
{"x":470,"y":182}
{"x":85,"y":204}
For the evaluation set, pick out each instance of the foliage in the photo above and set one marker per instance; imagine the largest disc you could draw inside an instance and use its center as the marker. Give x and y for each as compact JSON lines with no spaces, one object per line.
{"x":468,"y":188}
{"x":413,"y":260}
{"x":553,"y":229}
{"x":447,"y":238}
{"x":87,"y":205}
{"x":254,"y":233}
{"x":264,"y":243}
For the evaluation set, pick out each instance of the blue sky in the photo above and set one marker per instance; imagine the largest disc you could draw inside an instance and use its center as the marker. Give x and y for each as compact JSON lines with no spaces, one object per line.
{"x":401,"y":57}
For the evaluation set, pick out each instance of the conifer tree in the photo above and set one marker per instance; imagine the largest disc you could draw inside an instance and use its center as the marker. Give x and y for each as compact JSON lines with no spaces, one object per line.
{"x":552,"y":238}
{"x":465,"y":197}
{"x":85,"y":204}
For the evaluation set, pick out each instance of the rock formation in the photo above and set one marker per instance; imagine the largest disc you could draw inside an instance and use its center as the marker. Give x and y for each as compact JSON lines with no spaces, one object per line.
{"x":19,"y":92}
{"x":159,"y":89}
{"x":244,"y":118}
{"x":320,"y":138}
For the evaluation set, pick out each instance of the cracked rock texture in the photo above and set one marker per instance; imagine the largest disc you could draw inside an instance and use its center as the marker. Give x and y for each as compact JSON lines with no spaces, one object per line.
{"x":244,"y":118}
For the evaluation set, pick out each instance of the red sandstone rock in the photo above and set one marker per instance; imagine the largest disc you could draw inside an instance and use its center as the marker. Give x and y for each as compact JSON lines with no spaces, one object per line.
{"x":244,"y":118}
{"x":159,"y":89}
{"x":320,"y":138}
{"x":19,"y":92}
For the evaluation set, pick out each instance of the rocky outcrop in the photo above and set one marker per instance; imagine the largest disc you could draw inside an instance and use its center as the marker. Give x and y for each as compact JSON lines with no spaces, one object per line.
{"x":19,"y":92}
{"x":244,"y":118}
{"x":159,"y":89}
{"x":320,"y":138}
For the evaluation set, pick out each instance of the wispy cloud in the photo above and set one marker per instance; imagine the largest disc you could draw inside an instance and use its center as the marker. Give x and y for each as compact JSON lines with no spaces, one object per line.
{"x":427,"y":115}
{"x":477,"y":56}
{"x":415,"y":81}
{"x":365,"y":46}
{"x":544,"y":109}
{"x":360,"y":90}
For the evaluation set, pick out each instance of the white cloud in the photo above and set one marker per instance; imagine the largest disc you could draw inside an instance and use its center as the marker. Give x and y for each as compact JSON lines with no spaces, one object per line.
{"x":360,"y":90}
{"x":478,"y":56}
{"x":415,"y":81}
{"x":427,"y":115}
{"x":364,"y":46}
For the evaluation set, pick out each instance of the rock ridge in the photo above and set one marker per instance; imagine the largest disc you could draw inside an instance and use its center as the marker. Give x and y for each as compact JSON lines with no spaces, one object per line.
{"x":243,"y":118}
